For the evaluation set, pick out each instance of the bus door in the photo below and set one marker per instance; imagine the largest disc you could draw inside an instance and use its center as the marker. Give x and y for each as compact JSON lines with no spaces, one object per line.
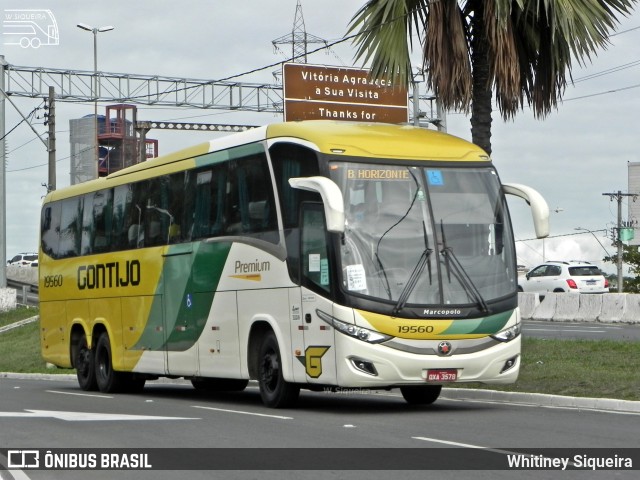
{"x":180,"y":307}
{"x":318,"y":357}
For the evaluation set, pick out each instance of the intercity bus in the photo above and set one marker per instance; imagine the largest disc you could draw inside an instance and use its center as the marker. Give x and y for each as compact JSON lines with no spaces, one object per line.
{"x":318,"y":255}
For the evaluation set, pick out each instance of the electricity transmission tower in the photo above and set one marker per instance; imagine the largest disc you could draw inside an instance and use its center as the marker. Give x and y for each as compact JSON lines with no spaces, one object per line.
{"x":298,"y":39}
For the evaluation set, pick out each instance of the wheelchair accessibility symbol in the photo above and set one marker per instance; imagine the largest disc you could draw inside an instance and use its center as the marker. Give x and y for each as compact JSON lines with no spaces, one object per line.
{"x":189,"y":300}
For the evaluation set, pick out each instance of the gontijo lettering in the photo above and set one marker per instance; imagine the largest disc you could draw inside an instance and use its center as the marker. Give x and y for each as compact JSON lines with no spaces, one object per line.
{"x":109,"y":275}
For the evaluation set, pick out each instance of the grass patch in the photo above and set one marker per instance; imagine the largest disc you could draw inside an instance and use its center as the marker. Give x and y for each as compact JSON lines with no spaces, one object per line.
{"x":581,"y":368}
{"x":20,"y":313}
{"x":20,"y":346}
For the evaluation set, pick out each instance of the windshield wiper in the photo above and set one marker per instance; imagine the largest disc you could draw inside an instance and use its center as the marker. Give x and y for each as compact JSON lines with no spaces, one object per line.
{"x":452,"y":262}
{"x":415,"y":275}
{"x":384,"y":273}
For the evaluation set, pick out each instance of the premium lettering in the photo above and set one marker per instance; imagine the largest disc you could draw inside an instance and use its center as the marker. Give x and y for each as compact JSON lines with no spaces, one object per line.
{"x":252,"y":267}
{"x":109,"y":275}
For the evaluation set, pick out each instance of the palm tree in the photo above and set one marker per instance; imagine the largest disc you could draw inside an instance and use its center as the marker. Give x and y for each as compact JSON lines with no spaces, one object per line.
{"x":522,"y":49}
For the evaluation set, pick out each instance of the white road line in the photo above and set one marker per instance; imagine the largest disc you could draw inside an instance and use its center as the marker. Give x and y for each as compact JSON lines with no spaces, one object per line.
{"x":78,"y":394}
{"x":13,"y":474}
{"x":465,"y":445}
{"x":242,"y":412}
{"x":570,"y":330}
{"x":86,"y":416}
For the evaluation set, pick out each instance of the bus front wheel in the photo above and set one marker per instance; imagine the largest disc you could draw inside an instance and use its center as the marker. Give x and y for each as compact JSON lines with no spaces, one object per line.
{"x":274,"y":390}
{"x":85,"y":366}
{"x":421,"y":395}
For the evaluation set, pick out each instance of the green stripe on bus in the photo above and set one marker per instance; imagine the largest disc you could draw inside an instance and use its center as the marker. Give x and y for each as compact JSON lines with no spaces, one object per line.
{"x":486,"y":325}
{"x":185,"y":299}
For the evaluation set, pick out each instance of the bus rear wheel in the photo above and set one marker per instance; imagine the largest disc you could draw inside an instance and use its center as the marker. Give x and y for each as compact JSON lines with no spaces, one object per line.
{"x":109,"y":381}
{"x":84,"y":362}
{"x":421,"y":395}
{"x":274,"y":390}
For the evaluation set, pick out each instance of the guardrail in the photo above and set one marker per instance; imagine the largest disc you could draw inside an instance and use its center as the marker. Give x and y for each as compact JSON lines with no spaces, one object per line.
{"x":26,"y":293}
{"x":563,"y":307}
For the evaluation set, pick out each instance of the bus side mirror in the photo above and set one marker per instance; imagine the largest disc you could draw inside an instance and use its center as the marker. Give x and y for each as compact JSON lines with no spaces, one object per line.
{"x":539,"y":207}
{"x":331,"y":198}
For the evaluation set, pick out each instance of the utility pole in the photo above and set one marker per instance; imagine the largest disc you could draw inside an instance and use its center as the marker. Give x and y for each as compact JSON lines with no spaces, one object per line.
{"x":3,"y":183}
{"x":51,"y":147}
{"x":618,"y":196}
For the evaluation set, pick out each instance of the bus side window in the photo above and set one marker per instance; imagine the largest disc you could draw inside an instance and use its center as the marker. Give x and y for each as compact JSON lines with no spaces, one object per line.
{"x":314,"y":250}
{"x":50,"y":229}
{"x":70,"y":227}
{"x":250,"y":199}
{"x":125,"y":221}
{"x":289,"y":161}
{"x":102,"y":218}
{"x":175,"y":206}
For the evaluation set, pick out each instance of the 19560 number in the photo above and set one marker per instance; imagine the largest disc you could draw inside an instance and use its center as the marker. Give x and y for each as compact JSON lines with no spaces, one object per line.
{"x":51,"y":281}
{"x":415,"y":329}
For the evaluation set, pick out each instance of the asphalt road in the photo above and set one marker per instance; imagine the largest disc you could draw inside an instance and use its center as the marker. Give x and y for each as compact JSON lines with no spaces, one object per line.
{"x":581,"y":330}
{"x":362,"y":429}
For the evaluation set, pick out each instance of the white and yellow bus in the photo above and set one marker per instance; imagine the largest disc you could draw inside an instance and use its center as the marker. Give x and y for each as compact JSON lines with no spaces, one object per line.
{"x":316,"y":255}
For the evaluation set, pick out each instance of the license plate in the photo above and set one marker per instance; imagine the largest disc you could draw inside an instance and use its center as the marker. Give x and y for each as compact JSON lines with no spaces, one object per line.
{"x":441,"y":375}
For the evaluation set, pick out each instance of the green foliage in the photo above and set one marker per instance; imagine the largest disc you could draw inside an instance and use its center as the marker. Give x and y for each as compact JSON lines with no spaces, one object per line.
{"x":631,"y":258}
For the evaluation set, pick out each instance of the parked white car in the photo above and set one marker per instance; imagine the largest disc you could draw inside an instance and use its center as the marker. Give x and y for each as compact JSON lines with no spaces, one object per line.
{"x":571,"y":277}
{"x":24,"y":260}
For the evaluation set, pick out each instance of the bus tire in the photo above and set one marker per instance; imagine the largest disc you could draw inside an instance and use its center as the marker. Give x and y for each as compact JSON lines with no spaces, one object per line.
{"x":219,"y":384}
{"x":421,"y":395}
{"x":109,"y":381}
{"x":84,"y":363}
{"x":274,"y":390}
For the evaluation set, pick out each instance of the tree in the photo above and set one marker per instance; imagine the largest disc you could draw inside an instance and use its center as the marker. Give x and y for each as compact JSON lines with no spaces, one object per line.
{"x":630,"y":257}
{"x":522,"y":49}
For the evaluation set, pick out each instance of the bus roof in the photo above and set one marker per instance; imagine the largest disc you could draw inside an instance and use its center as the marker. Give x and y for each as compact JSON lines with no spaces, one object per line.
{"x":374,"y":140}
{"x":379,"y":140}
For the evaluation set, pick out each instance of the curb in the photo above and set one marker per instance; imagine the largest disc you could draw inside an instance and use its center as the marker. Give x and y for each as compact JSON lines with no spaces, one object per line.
{"x":543,"y":400}
{"x":461,"y":394}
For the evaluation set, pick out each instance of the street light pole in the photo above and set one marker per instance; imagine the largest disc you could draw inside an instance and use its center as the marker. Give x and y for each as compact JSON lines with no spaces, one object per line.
{"x":95,"y":31}
{"x":594,"y":236}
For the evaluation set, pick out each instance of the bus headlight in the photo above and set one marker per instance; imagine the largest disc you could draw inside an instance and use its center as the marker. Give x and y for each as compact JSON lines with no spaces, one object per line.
{"x":363,"y":334}
{"x":508,"y":334}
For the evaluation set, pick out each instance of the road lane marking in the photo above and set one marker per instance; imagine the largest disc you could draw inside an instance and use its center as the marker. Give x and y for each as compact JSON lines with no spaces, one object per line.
{"x":465,"y":445}
{"x":243,"y":412}
{"x":570,"y":330}
{"x":79,"y":394}
{"x":86,"y":416}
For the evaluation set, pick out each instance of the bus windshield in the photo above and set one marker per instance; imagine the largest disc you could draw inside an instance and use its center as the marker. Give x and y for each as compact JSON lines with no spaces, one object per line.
{"x":425,"y":235}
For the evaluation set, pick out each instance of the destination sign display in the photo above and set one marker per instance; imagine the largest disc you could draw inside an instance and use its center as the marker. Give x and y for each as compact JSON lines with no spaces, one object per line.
{"x":313,"y":92}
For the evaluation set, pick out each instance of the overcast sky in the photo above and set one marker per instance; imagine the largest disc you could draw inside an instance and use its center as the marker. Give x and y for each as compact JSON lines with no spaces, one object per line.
{"x":572,"y":157}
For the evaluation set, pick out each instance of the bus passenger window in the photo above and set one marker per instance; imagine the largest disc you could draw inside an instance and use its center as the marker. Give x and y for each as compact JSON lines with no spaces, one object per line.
{"x":70,"y":223}
{"x":50,"y":229}
{"x":315,"y":256}
{"x":102,"y":218}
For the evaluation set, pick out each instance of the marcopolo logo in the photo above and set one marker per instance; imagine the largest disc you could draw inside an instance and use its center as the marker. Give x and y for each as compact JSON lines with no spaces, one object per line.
{"x":29,"y":28}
